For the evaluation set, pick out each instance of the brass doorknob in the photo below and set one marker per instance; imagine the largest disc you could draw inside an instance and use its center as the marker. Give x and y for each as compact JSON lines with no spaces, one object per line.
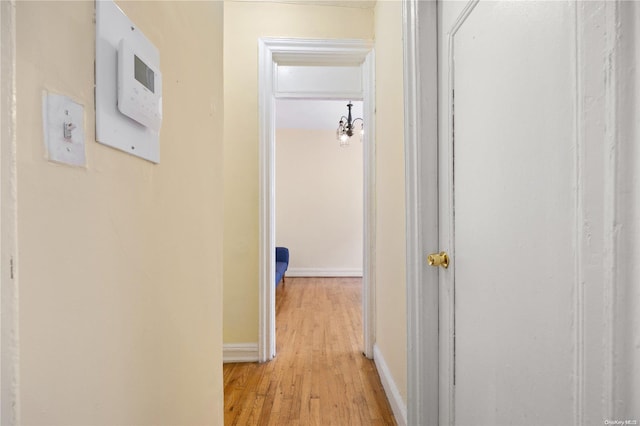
{"x":439,"y":259}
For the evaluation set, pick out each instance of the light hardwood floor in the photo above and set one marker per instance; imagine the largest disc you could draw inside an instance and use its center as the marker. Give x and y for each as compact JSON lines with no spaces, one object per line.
{"x":319,"y":376}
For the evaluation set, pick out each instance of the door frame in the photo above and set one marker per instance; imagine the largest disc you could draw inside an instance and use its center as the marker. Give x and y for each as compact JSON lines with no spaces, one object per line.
{"x":420,"y":43}
{"x":289,"y":51}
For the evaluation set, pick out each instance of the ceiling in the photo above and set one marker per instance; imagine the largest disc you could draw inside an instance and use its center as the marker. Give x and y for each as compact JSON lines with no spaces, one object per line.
{"x":313,"y":114}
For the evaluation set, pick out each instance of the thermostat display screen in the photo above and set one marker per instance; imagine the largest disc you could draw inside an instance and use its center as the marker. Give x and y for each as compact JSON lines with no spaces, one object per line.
{"x":139,"y":83}
{"x":143,"y":73}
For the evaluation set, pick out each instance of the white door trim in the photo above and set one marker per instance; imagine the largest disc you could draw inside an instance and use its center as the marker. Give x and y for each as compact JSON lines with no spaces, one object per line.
{"x":274,"y":51}
{"x":9,"y":346}
{"x":421,"y":176}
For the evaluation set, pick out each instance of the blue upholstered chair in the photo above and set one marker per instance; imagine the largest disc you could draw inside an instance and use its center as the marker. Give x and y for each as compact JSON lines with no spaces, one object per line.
{"x":282,"y":263}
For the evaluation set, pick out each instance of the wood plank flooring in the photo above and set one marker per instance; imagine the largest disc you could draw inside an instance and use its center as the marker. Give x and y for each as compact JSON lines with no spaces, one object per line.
{"x":319,"y":376}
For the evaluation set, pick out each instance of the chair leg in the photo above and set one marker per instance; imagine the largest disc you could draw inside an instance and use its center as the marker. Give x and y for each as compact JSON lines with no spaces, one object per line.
{"x":283,"y":281}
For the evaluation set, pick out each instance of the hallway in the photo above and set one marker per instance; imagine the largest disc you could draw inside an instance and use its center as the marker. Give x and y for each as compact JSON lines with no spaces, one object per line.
{"x":319,"y":375}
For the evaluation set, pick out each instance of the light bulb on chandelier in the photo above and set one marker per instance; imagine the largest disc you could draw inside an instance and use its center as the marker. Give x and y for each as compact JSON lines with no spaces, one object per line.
{"x":346,"y":127}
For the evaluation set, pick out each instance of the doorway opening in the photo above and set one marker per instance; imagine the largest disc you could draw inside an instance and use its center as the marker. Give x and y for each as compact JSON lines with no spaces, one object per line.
{"x":312,"y":69}
{"x":318,"y":188}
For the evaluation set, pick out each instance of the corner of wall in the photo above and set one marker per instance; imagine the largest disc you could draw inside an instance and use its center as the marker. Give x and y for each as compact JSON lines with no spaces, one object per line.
{"x":398,"y":405}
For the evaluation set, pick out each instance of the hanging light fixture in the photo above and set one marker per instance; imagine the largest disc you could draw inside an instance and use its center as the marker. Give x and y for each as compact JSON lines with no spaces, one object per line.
{"x":346,"y":127}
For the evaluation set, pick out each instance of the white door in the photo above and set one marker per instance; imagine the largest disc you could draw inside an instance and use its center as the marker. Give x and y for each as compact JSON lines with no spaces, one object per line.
{"x":507,"y":120}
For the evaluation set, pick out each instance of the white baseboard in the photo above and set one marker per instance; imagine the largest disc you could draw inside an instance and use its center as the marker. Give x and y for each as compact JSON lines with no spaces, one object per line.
{"x":239,"y":352}
{"x":323,"y":272}
{"x":398,"y":406}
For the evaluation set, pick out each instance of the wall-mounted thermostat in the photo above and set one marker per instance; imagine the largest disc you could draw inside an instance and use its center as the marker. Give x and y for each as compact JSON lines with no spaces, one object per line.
{"x":139,"y":87}
{"x":128,"y":85}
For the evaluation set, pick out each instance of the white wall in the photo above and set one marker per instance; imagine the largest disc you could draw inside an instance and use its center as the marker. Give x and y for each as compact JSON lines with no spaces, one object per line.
{"x":319,"y":202}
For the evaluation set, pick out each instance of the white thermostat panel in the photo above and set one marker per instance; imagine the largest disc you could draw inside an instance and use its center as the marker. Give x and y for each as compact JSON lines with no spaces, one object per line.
{"x":139,"y":87}
{"x":128,"y":85}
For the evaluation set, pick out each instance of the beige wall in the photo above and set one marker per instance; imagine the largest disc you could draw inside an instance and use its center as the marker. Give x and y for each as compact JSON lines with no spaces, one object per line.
{"x":120,"y":263}
{"x":319,"y":201}
{"x":391,"y":319}
{"x":245,"y":22}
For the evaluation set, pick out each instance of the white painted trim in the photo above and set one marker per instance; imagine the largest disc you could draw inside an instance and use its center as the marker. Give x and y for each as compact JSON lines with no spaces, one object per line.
{"x":323,"y":272}
{"x":579,"y":226}
{"x":298,"y":51}
{"x":284,"y":51}
{"x":421,"y":181}
{"x":602,"y":82}
{"x":9,"y":343}
{"x":266,"y":274}
{"x":447,"y":230}
{"x":354,"y":96}
{"x":369,"y":240}
{"x":615,"y":90}
{"x":239,"y":352}
{"x":398,"y":406}
{"x":621,"y":335}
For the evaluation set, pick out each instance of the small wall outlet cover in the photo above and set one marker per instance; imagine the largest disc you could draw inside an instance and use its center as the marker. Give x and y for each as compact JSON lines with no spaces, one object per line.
{"x":63,"y":124}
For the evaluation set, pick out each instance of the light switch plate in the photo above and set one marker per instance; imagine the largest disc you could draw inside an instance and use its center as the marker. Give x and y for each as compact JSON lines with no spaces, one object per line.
{"x":63,"y":122}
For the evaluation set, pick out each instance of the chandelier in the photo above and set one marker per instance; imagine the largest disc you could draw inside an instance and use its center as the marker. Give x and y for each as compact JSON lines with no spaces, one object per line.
{"x":346,"y":127}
